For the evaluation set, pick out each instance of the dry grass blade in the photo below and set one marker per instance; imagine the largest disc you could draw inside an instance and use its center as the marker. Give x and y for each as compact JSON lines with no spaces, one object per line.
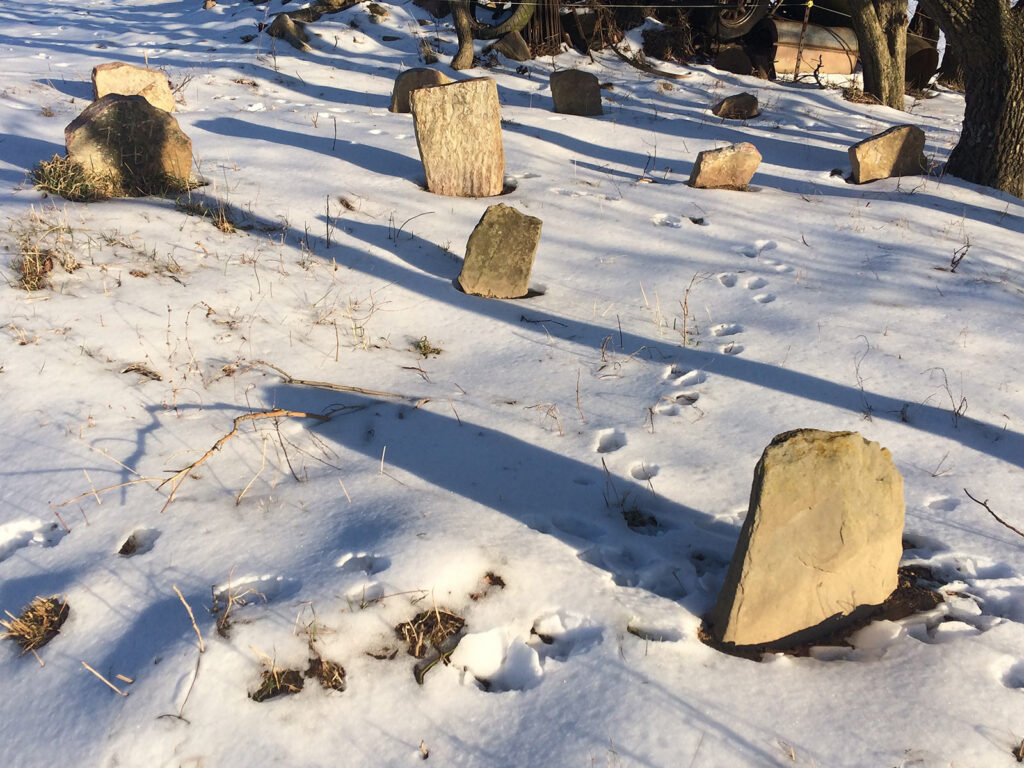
{"x":40,"y":621}
{"x":181,"y":475}
{"x":288,"y":379}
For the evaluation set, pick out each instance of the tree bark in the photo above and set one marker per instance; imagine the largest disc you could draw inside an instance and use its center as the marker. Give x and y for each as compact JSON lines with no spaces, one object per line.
{"x":463,"y":18}
{"x":989,"y":37}
{"x":881,"y":27}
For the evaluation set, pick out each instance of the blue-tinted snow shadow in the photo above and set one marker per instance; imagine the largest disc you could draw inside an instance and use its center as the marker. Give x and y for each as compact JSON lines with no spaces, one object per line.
{"x":370,"y":158}
{"x":23,"y":152}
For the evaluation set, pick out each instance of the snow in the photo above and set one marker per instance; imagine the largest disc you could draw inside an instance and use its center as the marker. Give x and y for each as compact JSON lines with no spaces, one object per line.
{"x":517,"y":450}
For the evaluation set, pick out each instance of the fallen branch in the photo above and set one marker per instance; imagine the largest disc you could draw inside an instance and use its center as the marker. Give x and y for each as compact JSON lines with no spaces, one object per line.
{"x":645,"y":67}
{"x":181,"y":475}
{"x":288,"y":379}
{"x":989,"y":510}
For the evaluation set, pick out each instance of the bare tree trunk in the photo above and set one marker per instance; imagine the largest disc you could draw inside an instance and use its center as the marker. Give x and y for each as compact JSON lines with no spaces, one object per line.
{"x":989,"y":37}
{"x":881,"y":27}
{"x":463,"y":18}
{"x":951,"y":73}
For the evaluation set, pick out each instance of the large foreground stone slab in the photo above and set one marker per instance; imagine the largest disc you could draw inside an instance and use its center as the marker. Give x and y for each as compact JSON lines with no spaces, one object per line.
{"x":458,"y":132}
{"x":898,"y":151}
{"x":575,"y":92}
{"x":730,"y":167}
{"x":130,"y":144}
{"x":499,"y":254}
{"x":821,"y":542}
{"x":130,"y":80}
{"x":411,"y":79}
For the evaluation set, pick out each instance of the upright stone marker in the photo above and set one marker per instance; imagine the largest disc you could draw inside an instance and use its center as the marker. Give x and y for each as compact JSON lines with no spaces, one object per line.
{"x":576,"y":93}
{"x":132,"y":145}
{"x":411,"y":79}
{"x":730,"y":167}
{"x":822,"y":539}
{"x":458,"y":132}
{"x":898,"y":151}
{"x":129,"y":80}
{"x":499,"y":254}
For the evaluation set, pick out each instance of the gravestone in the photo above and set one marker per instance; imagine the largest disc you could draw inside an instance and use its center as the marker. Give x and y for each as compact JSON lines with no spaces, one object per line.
{"x":411,"y":79}
{"x":730,"y":167}
{"x":130,"y":145}
{"x":458,"y":132}
{"x":821,"y":542}
{"x":576,"y":93}
{"x":898,"y":151}
{"x":740,"y":106}
{"x":130,"y":80}
{"x":500,"y":253}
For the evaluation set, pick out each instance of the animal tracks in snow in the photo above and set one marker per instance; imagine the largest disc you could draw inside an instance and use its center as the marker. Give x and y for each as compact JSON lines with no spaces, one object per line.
{"x":610,"y":440}
{"x":25,"y":532}
{"x":506,"y":659}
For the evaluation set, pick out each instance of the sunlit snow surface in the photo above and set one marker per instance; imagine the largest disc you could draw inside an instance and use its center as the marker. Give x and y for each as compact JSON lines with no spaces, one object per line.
{"x":810,"y":302}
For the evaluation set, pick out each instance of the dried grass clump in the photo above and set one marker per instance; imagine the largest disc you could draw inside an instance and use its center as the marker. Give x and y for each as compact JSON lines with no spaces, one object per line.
{"x":63,"y":176}
{"x":277,"y":682}
{"x":43,"y":243}
{"x":429,"y":629}
{"x":40,"y":621}
{"x":329,"y":674}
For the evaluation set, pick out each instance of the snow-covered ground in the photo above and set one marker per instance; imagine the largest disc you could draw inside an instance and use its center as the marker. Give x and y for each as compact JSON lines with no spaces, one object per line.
{"x":518,"y":450}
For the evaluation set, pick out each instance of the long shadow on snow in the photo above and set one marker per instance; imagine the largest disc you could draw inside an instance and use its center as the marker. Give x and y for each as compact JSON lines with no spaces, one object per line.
{"x":370,"y":158}
{"x":549,"y":492}
{"x":433,"y":279}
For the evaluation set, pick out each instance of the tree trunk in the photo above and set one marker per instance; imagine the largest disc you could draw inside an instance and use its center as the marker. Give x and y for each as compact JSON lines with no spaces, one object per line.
{"x":881,"y":27}
{"x":463,"y":18}
{"x":989,"y":37}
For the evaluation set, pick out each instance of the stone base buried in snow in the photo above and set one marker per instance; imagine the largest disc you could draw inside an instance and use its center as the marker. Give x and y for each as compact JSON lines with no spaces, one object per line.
{"x":500,"y":253}
{"x":730,"y":167}
{"x":458,"y":132}
{"x":821,"y":542}
{"x":898,"y":151}
{"x":129,"y":80}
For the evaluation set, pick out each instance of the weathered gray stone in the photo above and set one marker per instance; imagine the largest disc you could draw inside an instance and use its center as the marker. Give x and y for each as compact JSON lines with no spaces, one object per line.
{"x":411,"y":79}
{"x":730,"y":167}
{"x":740,"y":106}
{"x":898,"y":151}
{"x":291,"y":31}
{"x":130,"y":144}
{"x":130,"y":80}
{"x":458,"y":132}
{"x":511,"y":46}
{"x":576,"y":93}
{"x":499,"y":254}
{"x":822,"y":539}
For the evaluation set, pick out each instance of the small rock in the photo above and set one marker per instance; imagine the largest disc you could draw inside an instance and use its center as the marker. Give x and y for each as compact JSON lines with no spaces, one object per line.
{"x":129,"y":80}
{"x":209,"y":4}
{"x":740,"y":106}
{"x":458,"y":132}
{"x":499,"y":254}
{"x":576,"y":93}
{"x":377,"y":12}
{"x":291,"y":31}
{"x":411,"y":79}
{"x":134,"y":147}
{"x":821,"y":542}
{"x":898,"y":151}
{"x":730,"y":167}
